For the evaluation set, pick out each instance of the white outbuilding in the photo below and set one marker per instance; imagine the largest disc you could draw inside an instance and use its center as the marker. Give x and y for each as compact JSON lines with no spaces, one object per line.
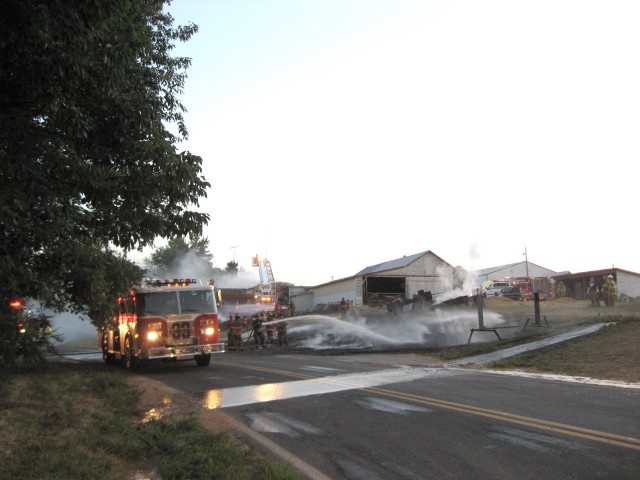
{"x":376,"y":285}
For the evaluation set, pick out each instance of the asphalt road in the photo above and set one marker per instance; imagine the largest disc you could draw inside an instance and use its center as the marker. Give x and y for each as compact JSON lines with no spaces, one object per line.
{"x":396,"y":416}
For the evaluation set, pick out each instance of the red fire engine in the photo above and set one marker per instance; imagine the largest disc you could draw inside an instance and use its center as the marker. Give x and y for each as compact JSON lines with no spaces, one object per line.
{"x":528,"y":285}
{"x":164,"y":320}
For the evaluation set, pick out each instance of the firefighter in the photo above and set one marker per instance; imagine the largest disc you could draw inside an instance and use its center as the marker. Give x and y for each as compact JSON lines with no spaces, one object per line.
{"x":229,"y":333}
{"x":283,"y":338}
{"x":605,"y":291}
{"x":236,"y":333}
{"x":592,"y":292}
{"x":45,"y":331}
{"x":258,"y":334}
{"x":343,"y":307}
{"x":612,"y":291}
{"x":269,"y":328}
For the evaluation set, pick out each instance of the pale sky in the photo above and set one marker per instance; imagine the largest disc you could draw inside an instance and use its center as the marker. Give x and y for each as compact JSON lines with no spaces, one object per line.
{"x":339,"y":134}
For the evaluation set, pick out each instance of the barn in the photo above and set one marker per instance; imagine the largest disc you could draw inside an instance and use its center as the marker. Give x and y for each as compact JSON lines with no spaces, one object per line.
{"x":512,"y":270}
{"x":380,"y":284}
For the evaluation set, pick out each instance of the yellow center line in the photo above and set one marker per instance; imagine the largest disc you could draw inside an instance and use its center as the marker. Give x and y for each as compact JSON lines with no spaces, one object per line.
{"x":571,"y":430}
{"x":556,"y":427}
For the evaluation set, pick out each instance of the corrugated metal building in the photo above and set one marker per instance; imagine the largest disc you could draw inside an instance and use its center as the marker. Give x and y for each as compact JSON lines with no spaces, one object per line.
{"x":519,"y":269}
{"x":379,"y":284}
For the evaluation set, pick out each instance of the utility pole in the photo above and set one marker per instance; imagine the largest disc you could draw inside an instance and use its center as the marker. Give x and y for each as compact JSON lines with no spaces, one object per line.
{"x":526,"y":261}
{"x":234,"y":252}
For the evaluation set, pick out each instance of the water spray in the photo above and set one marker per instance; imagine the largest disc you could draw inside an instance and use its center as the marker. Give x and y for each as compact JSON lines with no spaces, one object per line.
{"x":429,"y":328}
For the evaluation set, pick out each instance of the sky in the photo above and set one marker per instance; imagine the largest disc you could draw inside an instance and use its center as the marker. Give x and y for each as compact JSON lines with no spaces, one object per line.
{"x":339,"y":134}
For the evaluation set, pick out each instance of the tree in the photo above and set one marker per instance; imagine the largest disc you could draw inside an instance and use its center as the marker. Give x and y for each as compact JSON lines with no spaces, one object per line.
{"x":90,"y":169}
{"x":232,"y":267}
{"x":182,"y":258}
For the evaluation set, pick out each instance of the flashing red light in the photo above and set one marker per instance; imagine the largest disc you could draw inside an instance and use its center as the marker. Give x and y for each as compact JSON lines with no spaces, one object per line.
{"x":16,"y":304}
{"x":176,"y":282}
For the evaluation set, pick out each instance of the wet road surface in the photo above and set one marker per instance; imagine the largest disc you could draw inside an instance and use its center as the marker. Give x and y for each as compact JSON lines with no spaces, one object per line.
{"x":396,"y":416}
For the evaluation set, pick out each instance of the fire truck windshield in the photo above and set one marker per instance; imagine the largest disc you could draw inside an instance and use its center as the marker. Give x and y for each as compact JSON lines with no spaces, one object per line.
{"x":199,"y":301}
{"x":158,"y":303}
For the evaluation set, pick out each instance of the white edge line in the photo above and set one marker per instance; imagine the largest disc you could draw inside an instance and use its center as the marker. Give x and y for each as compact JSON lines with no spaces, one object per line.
{"x":561,"y":378}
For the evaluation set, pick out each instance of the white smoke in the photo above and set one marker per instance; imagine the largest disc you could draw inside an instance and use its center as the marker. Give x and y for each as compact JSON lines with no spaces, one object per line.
{"x":243,"y":279}
{"x":191,"y":265}
{"x":456,"y":283}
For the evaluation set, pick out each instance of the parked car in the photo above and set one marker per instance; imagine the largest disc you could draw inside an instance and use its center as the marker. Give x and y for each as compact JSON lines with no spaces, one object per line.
{"x":495,"y":289}
{"x":511,"y":292}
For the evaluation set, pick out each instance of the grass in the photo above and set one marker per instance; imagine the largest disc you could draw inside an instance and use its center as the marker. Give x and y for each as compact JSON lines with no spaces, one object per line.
{"x":612,"y":353}
{"x":63,"y":420}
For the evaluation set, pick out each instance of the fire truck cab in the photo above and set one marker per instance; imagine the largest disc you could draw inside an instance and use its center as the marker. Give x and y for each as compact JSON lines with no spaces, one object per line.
{"x":163,"y":320}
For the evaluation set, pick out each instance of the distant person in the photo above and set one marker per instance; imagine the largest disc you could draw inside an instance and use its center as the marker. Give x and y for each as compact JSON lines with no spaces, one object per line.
{"x":236,"y":333}
{"x":560,"y":290}
{"x":283,"y":337}
{"x":228,"y":324}
{"x":612,"y":290}
{"x":593,"y":293}
{"x":605,"y":291}
{"x":270,"y":327}
{"x":292,"y":309}
{"x":343,"y":307}
{"x":258,"y":334}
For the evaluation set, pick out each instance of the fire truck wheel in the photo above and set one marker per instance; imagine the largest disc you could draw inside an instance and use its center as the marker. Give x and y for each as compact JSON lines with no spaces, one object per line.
{"x":129,"y":360}
{"x":106,"y":356}
{"x":203,"y":360}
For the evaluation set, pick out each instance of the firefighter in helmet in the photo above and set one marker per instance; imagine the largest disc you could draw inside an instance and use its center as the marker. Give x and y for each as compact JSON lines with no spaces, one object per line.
{"x":258,"y":334}
{"x":269,"y":328}
{"x":283,"y":338}
{"x":612,"y":290}
{"x":236,"y":332}
{"x":228,"y":324}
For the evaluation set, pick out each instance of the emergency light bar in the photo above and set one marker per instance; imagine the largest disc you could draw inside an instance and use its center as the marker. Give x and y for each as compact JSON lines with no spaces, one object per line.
{"x":176,"y":282}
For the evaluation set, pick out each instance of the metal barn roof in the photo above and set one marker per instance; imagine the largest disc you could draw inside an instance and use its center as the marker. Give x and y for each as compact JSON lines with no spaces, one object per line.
{"x":393,"y":264}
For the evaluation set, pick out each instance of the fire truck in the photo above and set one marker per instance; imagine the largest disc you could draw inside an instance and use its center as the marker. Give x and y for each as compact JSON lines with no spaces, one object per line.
{"x":529,"y":285}
{"x":265,"y":292}
{"x":163,"y":319}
